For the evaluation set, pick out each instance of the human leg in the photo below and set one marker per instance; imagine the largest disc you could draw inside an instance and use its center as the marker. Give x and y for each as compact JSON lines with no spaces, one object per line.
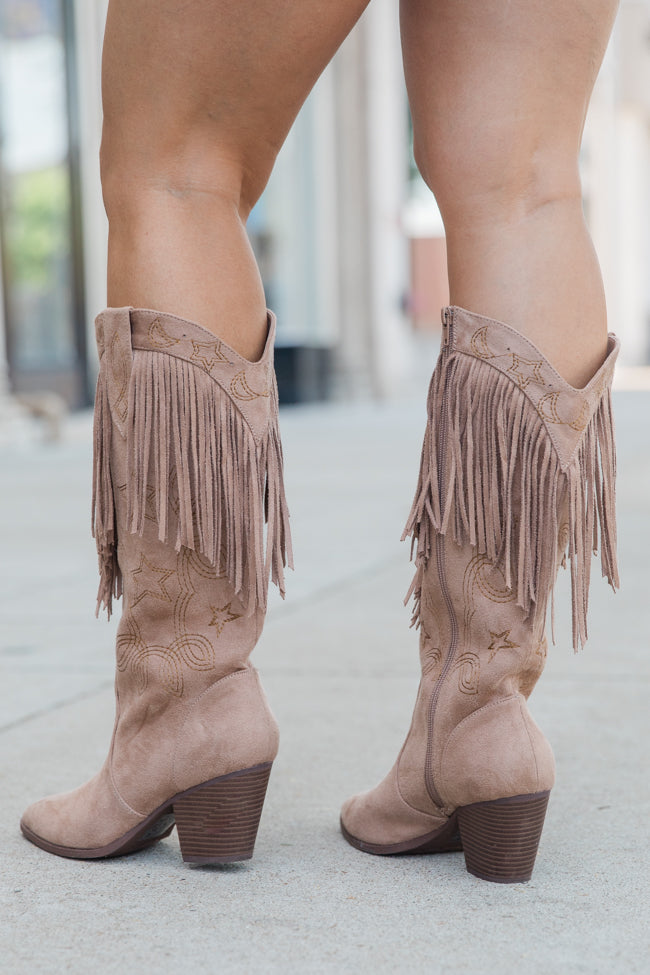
{"x":499,"y":94}
{"x":187,"y":451}
{"x":517,"y":466}
{"x":198,"y":98}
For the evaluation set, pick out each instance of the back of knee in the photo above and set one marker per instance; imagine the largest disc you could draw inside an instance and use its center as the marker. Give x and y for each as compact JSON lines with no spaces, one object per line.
{"x":476,"y":178}
{"x":185,"y":165}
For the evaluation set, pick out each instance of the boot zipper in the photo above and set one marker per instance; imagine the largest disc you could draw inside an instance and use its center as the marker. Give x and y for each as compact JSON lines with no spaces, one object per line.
{"x":447,"y":343}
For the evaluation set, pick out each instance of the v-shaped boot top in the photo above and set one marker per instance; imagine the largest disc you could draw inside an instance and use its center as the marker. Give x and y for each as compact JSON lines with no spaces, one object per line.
{"x":565,"y":410}
{"x":250,"y":385}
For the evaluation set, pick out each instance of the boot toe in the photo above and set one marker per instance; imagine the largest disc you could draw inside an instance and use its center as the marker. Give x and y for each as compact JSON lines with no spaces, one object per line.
{"x":88,"y":818}
{"x":349,"y":814}
{"x":49,"y":820}
{"x":35,"y":818}
{"x":381,"y":817}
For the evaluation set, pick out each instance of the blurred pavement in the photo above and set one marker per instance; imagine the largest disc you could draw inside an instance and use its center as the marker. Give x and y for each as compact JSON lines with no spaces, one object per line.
{"x":340,"y":666}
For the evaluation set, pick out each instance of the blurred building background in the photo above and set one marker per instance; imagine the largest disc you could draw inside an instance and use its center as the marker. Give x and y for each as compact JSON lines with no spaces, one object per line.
{"x":349,"y":241}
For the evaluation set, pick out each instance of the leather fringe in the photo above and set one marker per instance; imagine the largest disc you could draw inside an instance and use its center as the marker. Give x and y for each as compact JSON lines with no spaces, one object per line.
{"x":194,"y":467}
{"x":103,"y":520}
{"x":490,"y":476}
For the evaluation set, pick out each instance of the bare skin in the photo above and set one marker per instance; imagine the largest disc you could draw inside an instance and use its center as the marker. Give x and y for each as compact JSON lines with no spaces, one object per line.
{"x":498,"y":93}
{"x":199,"y":96}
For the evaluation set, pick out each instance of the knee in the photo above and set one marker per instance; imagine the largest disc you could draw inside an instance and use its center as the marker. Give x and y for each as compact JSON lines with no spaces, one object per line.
{"x":497,"y":176}
{"x":183,"y":164}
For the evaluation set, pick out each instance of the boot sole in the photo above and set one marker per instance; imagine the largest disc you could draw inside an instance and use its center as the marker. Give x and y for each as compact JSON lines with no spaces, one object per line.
{"x":446,"y":839}
{"x":499,"y":838}
{"x":217,"y":822}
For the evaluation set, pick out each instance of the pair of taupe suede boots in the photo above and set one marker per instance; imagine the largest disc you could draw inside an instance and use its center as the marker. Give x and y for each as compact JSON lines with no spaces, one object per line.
{"x":517,"y":476}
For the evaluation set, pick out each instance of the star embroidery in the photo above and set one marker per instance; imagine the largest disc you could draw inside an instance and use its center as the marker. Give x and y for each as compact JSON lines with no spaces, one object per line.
{"x":501,"y":641}
{"x":207,"y":354}
{"x":222,"y":616}
{"x":148,"y":586}
{"x":525,"y":371}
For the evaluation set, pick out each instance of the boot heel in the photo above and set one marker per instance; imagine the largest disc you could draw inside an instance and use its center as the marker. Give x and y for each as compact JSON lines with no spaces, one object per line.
{"x":217,"y":821}
{"x":500,"y":838}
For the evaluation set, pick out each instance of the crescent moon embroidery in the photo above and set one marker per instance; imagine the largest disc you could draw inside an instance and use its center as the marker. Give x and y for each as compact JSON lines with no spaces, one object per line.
{"x":159,"y":337}
{"x":549,"y":402}
{"x":582,"y":418}
{"x":241,"y":390}
{"x":119,"y":362}
{"x":547,"y":410}
{"x":479,"y":344}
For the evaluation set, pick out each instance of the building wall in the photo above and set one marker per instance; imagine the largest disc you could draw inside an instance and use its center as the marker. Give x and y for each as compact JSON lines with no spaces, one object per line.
{"x":90,"y":17}
{"x":40,"y":206}
{"x":615,"y":164}
{"x":329,"y":231}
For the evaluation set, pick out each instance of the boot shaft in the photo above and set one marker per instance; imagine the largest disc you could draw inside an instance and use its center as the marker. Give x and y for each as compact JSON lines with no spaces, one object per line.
{"x":187,"y":462}
{"x":516,"y":461}
{"x":517,"y":477}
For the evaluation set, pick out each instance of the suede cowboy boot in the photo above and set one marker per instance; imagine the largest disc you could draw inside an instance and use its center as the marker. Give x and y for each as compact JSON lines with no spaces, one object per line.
{"x":517,"y":473}
{"x":187,"y":462}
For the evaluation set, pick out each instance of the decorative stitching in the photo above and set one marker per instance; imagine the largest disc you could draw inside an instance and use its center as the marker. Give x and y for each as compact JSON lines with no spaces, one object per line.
{"x":240,"y":388}
{"x":501,"y":641}
{"x":164,"y":575}
{"x":188,"y":649}
{"x":158,"y":336}
{"x":222,"y":616}
{"x":208,"y":355}
{"x":543,"y":375}
{"x":183,"y":340}
{"x":468,"y":666}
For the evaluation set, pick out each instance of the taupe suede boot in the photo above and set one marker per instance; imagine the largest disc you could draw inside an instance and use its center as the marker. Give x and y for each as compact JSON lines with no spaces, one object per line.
{"x":187,"y":462}
{"x":517,"y":473}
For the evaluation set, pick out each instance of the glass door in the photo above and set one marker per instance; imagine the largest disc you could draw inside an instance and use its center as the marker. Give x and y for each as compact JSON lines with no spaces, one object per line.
{"x":40,"y":200}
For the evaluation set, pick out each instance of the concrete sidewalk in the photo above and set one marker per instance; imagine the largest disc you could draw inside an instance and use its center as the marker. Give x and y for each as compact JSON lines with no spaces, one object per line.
{"x":340,"y":666}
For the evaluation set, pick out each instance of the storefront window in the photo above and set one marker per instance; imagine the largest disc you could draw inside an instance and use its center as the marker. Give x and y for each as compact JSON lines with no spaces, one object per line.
{"x":45,"y":348}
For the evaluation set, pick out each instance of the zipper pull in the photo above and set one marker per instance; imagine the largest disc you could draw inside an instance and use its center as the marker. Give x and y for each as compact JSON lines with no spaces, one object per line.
{"x":446,"y":328}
